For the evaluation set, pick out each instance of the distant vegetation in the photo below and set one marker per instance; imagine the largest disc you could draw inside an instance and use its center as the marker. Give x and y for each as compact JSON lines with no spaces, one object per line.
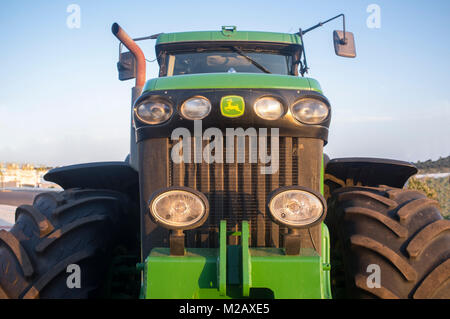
{"x":442,"y":165}
{"x":435,"y":188}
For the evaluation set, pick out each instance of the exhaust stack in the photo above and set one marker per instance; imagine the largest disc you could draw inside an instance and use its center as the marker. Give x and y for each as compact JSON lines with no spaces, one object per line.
{"x":131,"y":45}
{"x":139,"y":56}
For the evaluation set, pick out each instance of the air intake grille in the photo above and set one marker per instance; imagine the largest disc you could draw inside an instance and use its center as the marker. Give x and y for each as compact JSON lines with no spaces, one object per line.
{"x":236,"y":192}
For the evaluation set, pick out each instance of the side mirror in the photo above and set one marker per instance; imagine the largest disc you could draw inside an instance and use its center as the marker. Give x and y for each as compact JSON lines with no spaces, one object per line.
{"x":126,"y":66}
{"x":344,"y":47}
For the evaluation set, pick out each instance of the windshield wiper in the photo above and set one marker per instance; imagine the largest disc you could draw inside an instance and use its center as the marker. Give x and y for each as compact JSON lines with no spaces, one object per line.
{"x":259,"y":66}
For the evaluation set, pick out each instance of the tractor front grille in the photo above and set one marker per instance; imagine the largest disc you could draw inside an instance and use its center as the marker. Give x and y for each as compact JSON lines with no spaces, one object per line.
{"x":237,"y":192}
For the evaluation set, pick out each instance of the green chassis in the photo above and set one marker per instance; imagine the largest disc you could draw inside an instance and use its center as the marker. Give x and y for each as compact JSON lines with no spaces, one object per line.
{"x":237,"y":271}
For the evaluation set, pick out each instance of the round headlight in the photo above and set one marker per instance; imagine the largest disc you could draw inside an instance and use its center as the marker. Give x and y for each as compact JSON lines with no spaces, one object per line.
{"x":153,"y":112}
{"x":179,"y":209}
{"x":196,"y":108}
{"x":268,"y":108}
{"x":296,"y":208}
{"x":310,"y":111}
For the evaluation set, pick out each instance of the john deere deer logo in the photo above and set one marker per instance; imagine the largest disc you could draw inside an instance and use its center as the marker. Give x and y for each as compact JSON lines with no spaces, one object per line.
{"x":232,"y":106}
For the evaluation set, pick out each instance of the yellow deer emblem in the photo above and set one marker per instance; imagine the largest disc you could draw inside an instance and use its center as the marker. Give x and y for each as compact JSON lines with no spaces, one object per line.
{"x":232,"y":107}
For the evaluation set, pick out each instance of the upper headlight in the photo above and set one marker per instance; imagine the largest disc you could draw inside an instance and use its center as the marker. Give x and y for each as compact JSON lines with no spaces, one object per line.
{"x":153,"y":112}
{"x":196,"y":108}
{"x":310,"y":111}
{"x":297,"y":207}
{"x":268,"y":108}
{"x":179,"y":208}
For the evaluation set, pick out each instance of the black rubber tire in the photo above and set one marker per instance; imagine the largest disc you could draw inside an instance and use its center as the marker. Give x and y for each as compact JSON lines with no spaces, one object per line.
{"x":77,"y":226}
{"x":399,"y":230}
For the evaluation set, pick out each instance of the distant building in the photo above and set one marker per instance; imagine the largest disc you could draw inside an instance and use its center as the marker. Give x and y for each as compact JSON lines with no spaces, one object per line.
{"x":26,"y":175}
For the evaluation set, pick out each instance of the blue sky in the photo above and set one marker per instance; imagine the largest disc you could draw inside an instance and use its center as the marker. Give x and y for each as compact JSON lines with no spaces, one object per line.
{"x":61,"y":101}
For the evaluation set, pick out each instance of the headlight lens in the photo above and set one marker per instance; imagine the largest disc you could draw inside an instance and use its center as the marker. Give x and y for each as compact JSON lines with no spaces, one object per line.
{"x":196,"y":108}
{"x":296,"y":208}
{"x":179,"y":209}
{"x":153,"y":112}
{"x":268,"y":108}
{"x":310,"y":111}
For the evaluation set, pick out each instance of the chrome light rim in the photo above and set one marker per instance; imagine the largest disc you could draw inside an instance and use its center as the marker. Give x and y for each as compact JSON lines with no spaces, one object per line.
{"x":161,"y":101}
{"x":284,"y":189}
{"x":166,"y":192}
{"x":303,"y":121}
{"x":200,"y":97}
{"x":282,"y":107}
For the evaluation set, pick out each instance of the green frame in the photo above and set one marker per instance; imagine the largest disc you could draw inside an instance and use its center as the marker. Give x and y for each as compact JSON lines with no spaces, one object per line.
{"x":232,"y":81}
{"x":238,"y":271}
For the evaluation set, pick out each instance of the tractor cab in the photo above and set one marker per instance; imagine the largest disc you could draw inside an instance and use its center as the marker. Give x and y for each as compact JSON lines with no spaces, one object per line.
{"x":229,"y":51}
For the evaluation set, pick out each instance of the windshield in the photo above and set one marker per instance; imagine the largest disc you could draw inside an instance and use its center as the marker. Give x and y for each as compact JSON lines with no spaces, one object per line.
{"x":231,"y":61}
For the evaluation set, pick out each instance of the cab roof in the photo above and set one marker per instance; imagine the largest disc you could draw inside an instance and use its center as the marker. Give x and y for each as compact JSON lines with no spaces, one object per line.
{"x":228,"y":33}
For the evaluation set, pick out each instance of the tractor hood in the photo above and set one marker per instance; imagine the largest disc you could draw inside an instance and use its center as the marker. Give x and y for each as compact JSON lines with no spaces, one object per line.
{"x":232,"y":81}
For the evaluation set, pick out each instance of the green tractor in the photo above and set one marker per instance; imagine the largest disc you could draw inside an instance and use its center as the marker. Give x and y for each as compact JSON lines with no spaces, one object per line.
{"x":226,"y":192}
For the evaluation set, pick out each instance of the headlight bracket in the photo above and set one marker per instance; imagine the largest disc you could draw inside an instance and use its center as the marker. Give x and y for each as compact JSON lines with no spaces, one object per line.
{"x":292,"y":242}
{"x":176,"y":242}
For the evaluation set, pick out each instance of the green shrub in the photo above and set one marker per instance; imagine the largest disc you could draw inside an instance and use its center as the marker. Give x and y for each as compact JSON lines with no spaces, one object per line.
{"x":435,"y":188}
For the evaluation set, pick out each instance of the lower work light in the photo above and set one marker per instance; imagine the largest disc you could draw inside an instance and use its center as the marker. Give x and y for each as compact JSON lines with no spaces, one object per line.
{"x":297,"y":207}
{"x":179,"y":208}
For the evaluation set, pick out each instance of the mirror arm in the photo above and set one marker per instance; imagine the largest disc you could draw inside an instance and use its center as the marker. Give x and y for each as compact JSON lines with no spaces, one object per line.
{"x":343,"y":41}
{"x":150,"y":37}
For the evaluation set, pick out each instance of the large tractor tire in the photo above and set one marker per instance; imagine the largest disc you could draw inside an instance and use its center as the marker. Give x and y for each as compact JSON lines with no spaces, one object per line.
{"x":397,"y":233}
{"x":78,"y":226}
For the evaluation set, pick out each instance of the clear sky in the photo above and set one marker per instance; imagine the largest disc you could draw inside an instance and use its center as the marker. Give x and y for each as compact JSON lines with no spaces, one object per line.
{"x":61,"y":101}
